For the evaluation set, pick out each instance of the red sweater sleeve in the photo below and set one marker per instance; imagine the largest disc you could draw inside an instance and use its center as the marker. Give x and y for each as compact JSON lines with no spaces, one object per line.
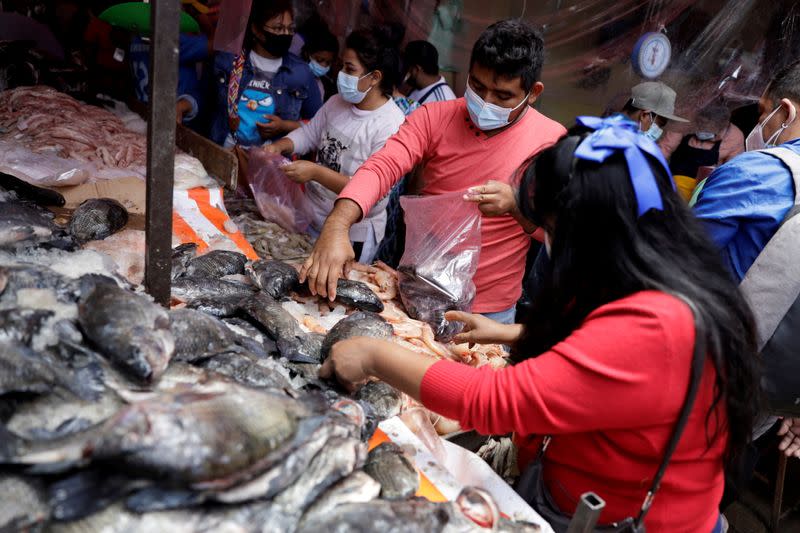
{"x":615,"y":371}
{"x":376,"y":177}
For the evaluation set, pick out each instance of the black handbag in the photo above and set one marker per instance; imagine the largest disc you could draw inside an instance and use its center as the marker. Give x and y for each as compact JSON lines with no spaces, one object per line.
{"x":531,"y":483}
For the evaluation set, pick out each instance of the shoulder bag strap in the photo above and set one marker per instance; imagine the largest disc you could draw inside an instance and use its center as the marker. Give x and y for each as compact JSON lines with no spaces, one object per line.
{"x":698,"y":362}
{"x":772,"y":283}
{"x":429,"y":93}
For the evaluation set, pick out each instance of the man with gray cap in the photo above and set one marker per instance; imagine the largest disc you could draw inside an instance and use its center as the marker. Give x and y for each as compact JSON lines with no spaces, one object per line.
{"x":652,"y":105}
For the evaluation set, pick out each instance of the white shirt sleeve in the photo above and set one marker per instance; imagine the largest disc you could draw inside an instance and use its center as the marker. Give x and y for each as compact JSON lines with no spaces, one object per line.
{"x":309,"y":136}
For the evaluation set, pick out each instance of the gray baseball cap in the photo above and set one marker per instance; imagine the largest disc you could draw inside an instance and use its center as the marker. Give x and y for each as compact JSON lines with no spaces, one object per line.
{"x":656,"y":97}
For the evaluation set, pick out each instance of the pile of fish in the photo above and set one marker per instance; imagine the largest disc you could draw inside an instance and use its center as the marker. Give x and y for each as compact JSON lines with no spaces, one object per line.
{"x":47,"y":121}
{"x":118,"y":415}
{"x":55,"y":139}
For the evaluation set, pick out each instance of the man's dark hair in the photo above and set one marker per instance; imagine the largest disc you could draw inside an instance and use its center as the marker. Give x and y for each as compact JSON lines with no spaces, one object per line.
{"x":511,"y":48}
{"x":786,"y":83}
{"x":423,"y":54}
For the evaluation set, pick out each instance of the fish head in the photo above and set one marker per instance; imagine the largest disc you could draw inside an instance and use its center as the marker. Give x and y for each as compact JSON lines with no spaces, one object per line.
{"x":149,"y":352}
{"x":479,"y":506}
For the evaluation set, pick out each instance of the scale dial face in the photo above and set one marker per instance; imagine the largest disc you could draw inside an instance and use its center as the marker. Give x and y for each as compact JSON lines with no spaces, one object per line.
{"x":651,"y":54}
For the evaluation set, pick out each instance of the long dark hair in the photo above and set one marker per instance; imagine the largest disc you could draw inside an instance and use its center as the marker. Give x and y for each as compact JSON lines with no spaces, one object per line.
{"x":378,"y":50}
{"x":602,"y":251}
{"x":261,"y":13}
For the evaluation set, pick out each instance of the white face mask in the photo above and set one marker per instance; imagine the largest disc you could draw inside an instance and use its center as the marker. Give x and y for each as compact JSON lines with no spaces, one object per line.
{"x":755,"y":141}
{"x":654,"y":132}
{"x":488,"y":116}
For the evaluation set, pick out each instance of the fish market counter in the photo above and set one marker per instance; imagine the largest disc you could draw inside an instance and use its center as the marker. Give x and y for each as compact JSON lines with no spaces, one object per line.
{"x":120,"y":415}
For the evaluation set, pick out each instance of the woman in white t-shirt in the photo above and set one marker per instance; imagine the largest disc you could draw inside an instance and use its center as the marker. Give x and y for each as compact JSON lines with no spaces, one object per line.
{"x":349,"y":128}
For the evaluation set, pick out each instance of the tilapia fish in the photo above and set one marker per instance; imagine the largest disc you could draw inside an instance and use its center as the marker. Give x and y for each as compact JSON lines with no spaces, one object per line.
{"x":358,"y":487}
{"x":216,"y":263}
{"x":201,"y":440}
{"x":22,"y":224}
{"x":409,"y":516}
{"x":387,"y":465}
{"x":195,"y":289}
{"x":276,"y":278}
{"x":246,"y":370}
{"x":293,"y":343}
{"x":129,"y":330}
{"x":181,"y":255}
{"x":14,"y":278}
{"x":359,"y":324}
{"x":23,"y":370}
{"x":97,"y":218}
{"x":385,"y":400}
{"x":198,"y":335}
{"x":357,"y":294}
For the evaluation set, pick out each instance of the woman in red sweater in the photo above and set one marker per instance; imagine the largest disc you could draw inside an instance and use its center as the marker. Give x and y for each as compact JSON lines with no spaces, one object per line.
{"x":603,"y":362}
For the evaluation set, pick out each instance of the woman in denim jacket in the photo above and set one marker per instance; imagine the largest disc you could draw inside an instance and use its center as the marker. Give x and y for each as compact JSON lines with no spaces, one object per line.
{"x":263,"y":92}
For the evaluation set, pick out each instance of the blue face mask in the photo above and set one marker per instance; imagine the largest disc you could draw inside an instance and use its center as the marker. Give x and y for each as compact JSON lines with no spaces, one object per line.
{"x":348,"y":88}
{"x":318,"y":69}
{"x":488,"y":116}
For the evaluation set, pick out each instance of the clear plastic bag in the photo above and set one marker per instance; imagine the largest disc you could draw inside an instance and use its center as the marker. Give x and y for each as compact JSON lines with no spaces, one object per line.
{"x":279,"y":199}
{"x":231,"y":26}
{"x":443,"y":242}
{"x":44,"y":169}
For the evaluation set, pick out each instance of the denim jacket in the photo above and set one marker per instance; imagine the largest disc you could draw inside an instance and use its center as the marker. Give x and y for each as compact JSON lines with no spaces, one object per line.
{"x":294,"y":88}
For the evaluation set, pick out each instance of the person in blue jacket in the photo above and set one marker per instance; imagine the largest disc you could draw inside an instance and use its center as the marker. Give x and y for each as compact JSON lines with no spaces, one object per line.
{"x":263,"y":92}
{"x":193,"y":50}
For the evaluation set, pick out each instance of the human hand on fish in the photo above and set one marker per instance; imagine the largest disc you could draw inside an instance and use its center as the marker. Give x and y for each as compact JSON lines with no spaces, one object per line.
{"x":494,"y":198}
{"x":301,"y":171}
{"x":481,"y":330}
{"x":330,"y":259}
{"x":355,"y":360}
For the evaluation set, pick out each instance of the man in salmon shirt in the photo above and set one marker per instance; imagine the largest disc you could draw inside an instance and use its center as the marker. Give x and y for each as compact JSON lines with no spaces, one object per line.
{"x":472,"y":145}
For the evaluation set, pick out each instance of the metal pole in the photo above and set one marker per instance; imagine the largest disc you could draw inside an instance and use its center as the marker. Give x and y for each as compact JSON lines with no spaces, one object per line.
{"x":586,"y":514}
{"x":164,"y":20}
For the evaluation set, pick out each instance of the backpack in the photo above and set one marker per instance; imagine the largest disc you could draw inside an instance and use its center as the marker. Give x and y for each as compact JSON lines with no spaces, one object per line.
{"x":772,"y":288}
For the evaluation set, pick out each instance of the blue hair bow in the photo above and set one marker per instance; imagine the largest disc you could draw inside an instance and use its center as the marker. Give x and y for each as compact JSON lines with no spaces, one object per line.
{"x":616,"y":134}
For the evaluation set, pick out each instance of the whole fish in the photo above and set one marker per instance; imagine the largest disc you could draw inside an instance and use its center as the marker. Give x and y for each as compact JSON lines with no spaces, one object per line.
{"x":357,"y":294}
{"x":14,"y":278}
{"x":387,"y":465}
{"x":198,"y":335}
{"x":23,"y":370}
{"x":293,"y":343}
{"x":216,"y":307}
{"x":276,"y":278}
{"x":24,"y":224}
{"x":23,"y":506}
{"x":50,"y":415}
{"x":216,"y":263}
{"x":358,"y":487}
{"x":181,"y":255}
{"x":385,"y":400}
{"x":359,"y":324}
{"x":97,"y":218}
{"x":246,"y":370}
{"x":190,"y":289}
{"x":207,"y":439}
{"x":407,"y":516}
{"x":130,"y":330}
{"x":337,"y":459}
